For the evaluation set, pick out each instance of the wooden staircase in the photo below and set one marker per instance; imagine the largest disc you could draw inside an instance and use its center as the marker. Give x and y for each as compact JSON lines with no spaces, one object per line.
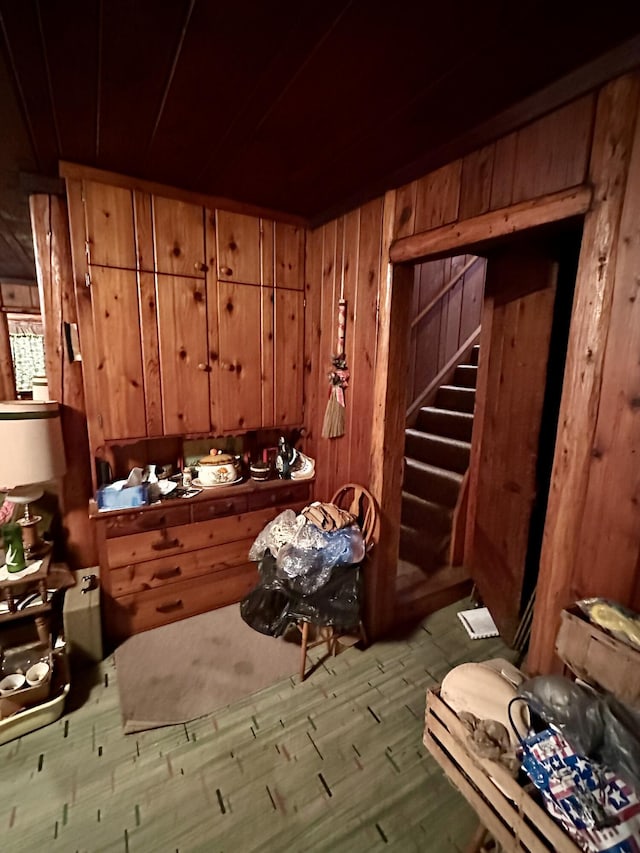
{"x":437,"y":450}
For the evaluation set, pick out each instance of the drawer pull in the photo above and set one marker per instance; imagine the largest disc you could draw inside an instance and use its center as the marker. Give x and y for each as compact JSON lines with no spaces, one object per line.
{"x":165,"y":574}
{"x":169,"y":606}
{"x":165,"y":543}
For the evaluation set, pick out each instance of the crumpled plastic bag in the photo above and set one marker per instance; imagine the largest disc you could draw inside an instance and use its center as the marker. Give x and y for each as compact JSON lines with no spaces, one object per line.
{"x":595,"y":725}
{"x":276,"y":534}
{"x":307,"y":561}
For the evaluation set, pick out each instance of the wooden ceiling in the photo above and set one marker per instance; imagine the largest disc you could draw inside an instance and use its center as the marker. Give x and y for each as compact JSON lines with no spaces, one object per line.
{"x":304,"y":107}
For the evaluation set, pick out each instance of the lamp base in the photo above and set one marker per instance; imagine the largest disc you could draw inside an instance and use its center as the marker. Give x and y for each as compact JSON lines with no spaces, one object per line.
{"x":31,"y":541}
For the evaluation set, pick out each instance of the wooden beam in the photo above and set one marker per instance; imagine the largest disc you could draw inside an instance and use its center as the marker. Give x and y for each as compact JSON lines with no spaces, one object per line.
{"x":387,"y":432}
{"x":464,"y":236}
{"x":74,"y":171}
{"x":602,"y":254}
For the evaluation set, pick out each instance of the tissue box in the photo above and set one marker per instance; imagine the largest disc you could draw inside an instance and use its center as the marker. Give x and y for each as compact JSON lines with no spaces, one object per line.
{"x":115,"y":496}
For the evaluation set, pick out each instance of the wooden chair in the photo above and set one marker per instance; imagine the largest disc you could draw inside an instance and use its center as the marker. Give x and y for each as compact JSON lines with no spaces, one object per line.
{"x":360,"y":503}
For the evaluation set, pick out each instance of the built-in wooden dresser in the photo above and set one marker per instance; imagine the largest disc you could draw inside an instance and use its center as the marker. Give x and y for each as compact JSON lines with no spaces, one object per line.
{"x":168,"y":561}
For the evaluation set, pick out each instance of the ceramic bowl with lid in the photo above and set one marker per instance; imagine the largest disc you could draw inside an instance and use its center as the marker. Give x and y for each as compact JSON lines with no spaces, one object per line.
{"x":216,"y":469}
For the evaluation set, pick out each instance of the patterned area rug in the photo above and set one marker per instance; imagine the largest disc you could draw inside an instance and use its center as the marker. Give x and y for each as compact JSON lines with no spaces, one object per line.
{"x":185,"y":670}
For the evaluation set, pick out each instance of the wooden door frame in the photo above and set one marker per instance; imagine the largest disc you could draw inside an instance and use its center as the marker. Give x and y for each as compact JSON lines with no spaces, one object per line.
{"x":471,"y":236}
{"x":600,"y":199}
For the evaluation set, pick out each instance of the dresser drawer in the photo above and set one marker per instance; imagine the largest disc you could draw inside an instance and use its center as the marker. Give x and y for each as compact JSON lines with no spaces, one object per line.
{"x":131,"y":614}
{"x":219,"y":507}
{"x":149,"y":519}
{"x":154,"y":574}
{"x":170,"y":541}
{"x":282,"y":497}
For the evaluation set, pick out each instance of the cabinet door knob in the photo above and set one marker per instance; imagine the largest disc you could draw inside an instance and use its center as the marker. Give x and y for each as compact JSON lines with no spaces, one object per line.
{"x":205,"y":367}
{"x":226,"y":270}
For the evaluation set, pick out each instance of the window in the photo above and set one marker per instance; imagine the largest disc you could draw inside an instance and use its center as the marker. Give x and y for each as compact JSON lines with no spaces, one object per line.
{"x":26,"y":337}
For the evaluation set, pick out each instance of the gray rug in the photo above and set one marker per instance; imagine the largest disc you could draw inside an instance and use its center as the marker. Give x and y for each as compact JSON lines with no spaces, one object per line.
{"x":190,"y":668}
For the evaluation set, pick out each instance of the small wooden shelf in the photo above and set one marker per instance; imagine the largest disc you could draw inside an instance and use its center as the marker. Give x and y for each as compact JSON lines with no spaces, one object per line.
{"x":508,"y":811}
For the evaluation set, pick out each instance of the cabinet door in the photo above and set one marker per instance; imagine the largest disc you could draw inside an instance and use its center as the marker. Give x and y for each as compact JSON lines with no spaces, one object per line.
{"x":109,"y":224}
{"x":118,"y":373}
{"x":289,"y":256}
{"x":178,"y":233}
{"x":288,"y":356}
{"x":240,"y":341}
{"x":238,"y":239}
{"x":184,"y":358}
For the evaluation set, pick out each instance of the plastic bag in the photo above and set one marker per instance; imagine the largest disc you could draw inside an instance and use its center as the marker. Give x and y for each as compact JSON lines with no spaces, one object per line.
{"x":275,"y":534}
{"x":308,"y":560}
{"x":266,"y":610}
{"x":596,"y":725}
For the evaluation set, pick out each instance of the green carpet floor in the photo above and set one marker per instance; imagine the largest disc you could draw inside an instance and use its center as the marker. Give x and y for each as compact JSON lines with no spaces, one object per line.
{"x":333,"y":764}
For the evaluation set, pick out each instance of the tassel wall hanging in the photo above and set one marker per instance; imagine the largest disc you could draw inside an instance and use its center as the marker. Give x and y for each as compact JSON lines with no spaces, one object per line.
{"x":334,"y":416}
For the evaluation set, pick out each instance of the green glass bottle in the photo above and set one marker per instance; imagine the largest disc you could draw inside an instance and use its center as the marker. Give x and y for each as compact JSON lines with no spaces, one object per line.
{"x":14,"y":551}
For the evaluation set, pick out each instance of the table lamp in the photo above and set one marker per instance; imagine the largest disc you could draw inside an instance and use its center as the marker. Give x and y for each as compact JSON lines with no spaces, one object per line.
{"x":31,"y":454}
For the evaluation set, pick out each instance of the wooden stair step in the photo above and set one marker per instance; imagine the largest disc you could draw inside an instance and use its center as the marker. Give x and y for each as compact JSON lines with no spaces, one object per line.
{"x":466,"y":375}
{"x":423,"y":547}
{"x":475,"y":354}
{"x":418,"y":594}
{"x":430,"y":482}
{"x":449,"y":453}
{"x":426,"y":515}
{"x":456,"y":398}
{"x":445,"y":422}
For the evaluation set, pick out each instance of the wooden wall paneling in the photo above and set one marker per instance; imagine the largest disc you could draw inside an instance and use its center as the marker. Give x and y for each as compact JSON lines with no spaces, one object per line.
{"x":405,"y":214}
{"x":110,"y":225}
{"x":413,"y":335}
{"x":238,"y":245}
{"x":184,"y":357}
{"x":267,"y":252}
{"x":451,"y":336}
{"x":591,"y":328}
{"x":7,"y":375}
{"x":475,"y":182}
{"x":239,"y":323}
{"x":388,"y":425}
{"x":553,"y":152}
{"x":178,"y":237}
{"x":88,"y":344}
{"x":16,"y":297}
{"x":119,"y":375}
{"x":315,"y":383}
{"x":52,"y":251}
{"x":350,"y":263}
{"x":336,"y":449}
{"x":289,"y":256}
{"x":437,"y":197}
{"x":288,"y":356}
{"x":472,"y":234}
{"x":473,"y":289}
{"x":364,"y":335}
{"x":502,"y":175}
{"x":610,"y":521}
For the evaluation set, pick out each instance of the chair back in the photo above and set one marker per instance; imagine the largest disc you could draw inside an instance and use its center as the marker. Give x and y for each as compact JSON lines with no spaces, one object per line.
{"x":361,"y":503}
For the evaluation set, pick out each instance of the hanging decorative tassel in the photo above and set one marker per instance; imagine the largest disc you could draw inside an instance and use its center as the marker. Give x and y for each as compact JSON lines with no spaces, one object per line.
{"x":334,"y":416}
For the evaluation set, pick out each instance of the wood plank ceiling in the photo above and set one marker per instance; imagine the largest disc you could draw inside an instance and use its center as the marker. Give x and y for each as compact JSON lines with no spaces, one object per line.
{"x":304,"y":107}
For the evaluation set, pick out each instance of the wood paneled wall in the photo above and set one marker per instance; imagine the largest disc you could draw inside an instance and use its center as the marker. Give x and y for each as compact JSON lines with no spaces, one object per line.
{"x":552,"y":155}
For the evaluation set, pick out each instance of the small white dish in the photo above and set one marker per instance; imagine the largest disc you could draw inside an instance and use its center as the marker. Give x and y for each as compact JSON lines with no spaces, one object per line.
{"x":11,"y":683}
{"x":37,"y":673}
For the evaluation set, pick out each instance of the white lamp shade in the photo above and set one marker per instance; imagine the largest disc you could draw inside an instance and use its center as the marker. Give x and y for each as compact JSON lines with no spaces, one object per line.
{"x":31,"y":448}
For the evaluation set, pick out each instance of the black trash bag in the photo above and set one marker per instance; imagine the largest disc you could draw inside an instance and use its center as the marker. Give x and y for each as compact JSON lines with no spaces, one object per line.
{"x":265,"y":610}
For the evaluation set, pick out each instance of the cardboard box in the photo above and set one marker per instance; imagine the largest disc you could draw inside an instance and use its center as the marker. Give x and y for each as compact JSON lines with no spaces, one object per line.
{"x":599,"y":658}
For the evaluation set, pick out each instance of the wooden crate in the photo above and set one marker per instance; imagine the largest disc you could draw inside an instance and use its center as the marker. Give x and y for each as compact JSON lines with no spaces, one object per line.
{"x":507,"y":810}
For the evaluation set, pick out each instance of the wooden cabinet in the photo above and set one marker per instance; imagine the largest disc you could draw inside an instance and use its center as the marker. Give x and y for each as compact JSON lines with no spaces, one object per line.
{"x":193,"y":319}
{"x":238,"y":247}
{"x":178,"y":237}
{"x":163,"y":564}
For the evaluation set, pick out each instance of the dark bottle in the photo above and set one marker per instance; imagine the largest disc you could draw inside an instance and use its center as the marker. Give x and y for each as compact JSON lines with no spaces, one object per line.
{"x":284,"y":458}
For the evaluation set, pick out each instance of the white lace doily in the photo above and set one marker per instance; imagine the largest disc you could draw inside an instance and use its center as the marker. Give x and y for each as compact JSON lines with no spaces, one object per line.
{"x":6,"y":575}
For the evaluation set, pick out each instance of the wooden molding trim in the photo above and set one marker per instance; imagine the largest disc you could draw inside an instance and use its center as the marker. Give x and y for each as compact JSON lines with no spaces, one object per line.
{"x":75,"y":171}
{"x":498,"y":223}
